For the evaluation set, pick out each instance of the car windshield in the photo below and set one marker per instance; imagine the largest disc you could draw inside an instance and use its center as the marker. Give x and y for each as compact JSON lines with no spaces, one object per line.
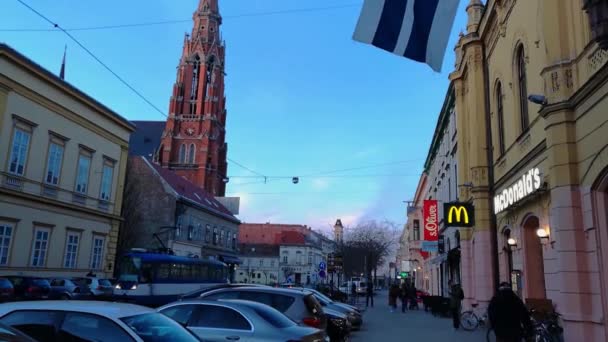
{"x":274,"y":317}
{"x":156,"y":327}
{"x":321,"y":296}
{"x":41,"y":282}
{"x":105,"y":282}
{"x":5,"y":283}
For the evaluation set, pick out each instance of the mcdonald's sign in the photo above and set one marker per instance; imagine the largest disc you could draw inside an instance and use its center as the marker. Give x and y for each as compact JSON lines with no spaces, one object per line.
{"x":459,"y":214}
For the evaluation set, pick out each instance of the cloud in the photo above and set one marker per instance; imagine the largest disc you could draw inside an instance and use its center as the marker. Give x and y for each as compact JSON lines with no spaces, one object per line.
{"x":320,"y":183}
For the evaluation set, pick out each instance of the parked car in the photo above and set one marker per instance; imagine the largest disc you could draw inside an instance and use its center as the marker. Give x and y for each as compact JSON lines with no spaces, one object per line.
{"x":303,"y":308}
{"x":353,"y":314}
{"x":334,"y":293}
{"x":199,"y":292}
{"x":101,"y":289}
{"x":218,"y":321}
{"x":91,"y":321}
{"x":300,"y":306}
{"x":30,"y":287}
{"x":9,"y":334}
{"x":7,"y":291}
{"x":65,"y":288}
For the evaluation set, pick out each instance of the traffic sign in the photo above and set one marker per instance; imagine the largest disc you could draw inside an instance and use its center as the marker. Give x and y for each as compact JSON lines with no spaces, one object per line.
{"x":322,"y":265}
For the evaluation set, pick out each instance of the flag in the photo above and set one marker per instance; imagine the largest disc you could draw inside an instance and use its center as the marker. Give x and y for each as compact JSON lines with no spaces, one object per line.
{"x":415,"y":29}
{"x":62,"y":71}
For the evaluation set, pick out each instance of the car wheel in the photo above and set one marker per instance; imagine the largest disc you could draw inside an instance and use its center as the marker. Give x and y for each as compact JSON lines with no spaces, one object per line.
{"x":64,"y":297}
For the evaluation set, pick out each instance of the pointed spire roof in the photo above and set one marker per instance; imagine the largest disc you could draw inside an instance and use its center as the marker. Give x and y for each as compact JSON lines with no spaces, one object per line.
{"x":62,"y":71}
{"x":208,"y":6}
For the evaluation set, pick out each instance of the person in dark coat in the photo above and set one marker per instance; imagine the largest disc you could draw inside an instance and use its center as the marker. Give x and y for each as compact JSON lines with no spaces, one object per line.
{"x":393,"y":294}
{"x":456,"y":297}
{"x":412,"y":295}
{"x":369,"y":294}
{"x":405,"y":290}
{"x":353,"y":293}
{"x":508,"y":315}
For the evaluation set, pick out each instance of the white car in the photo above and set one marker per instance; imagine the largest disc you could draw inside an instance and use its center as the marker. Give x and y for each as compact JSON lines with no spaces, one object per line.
{"x":91,"y":321}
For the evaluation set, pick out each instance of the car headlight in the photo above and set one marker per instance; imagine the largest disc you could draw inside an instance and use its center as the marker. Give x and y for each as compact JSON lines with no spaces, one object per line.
{"x":118,"y":287}
{"x":134,"y":287}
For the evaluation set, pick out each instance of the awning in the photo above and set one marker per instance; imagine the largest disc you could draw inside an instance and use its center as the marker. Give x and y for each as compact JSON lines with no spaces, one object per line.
{"x":229,"y":259}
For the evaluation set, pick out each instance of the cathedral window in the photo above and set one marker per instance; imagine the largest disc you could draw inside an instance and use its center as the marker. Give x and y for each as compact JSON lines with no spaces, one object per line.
{"x":191,"y":154}
{"x":194,"y":87}
{"x":182,"y":154}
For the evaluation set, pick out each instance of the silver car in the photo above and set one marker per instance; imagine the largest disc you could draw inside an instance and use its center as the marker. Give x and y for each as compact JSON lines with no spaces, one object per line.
{"x":238,"y":320}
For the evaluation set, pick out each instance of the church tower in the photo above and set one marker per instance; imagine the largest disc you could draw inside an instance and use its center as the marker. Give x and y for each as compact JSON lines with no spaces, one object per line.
{"x":193,"y":142}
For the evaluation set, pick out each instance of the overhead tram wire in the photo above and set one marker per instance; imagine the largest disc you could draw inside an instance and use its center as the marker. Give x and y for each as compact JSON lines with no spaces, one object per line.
{"x":123,"y":81}
{"x":179,"y":21}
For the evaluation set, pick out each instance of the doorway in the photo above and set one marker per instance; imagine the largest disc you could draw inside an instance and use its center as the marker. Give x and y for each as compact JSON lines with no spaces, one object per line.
{"x":534,"y":270}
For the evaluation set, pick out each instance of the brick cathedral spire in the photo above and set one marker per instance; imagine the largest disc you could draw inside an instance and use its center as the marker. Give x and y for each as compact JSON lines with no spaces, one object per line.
{"x":193,"y":142}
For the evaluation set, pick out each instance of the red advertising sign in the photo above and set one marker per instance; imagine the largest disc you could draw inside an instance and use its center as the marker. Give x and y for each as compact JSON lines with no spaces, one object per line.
{"x":431,"y":222}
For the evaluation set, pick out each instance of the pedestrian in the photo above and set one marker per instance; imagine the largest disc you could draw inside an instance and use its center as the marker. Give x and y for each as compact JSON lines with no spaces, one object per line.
{"x":508,"y":315}
{"x":370,"y":294}
{"x":413,"y":296}
{"x":393,"y":294}
{"x":404,"y":295}
{"x":353,"y":293}
{"x":456,"y":297}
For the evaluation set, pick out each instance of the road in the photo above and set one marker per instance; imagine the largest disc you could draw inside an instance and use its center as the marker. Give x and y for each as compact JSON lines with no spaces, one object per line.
{"x":383,"y":326}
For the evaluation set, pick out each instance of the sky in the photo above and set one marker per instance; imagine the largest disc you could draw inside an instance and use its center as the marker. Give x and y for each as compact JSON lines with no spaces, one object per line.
{"x":304,"y":99}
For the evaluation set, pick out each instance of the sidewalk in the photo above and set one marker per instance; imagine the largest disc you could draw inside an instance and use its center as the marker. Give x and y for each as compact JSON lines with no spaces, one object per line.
{"x":379,"y":324}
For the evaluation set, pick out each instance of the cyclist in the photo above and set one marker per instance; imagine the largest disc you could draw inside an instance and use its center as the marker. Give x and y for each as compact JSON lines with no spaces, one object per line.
{"x":509,"y":317}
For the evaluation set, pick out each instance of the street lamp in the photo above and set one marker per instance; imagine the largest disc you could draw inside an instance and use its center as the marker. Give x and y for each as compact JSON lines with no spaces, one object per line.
{"x":543,"y":234}
{"x":512,"y":243}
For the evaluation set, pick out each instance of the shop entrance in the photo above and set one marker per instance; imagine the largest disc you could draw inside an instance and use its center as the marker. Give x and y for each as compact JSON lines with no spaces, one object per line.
{"x":534,"y":268}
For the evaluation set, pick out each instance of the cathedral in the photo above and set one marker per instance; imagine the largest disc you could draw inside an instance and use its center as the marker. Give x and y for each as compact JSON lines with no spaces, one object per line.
{"x":191,"y":143}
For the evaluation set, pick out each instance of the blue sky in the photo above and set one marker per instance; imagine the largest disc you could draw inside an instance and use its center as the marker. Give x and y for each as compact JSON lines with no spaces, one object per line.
{"x":303,"y":97}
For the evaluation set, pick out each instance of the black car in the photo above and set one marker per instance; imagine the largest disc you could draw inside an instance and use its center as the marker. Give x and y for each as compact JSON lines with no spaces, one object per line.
{"x":65,"y":288}
{"x":7,"y":291}
{"x":30,"y":287}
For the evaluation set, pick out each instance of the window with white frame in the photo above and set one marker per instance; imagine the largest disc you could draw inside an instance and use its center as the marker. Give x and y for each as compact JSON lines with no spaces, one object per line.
{"x":19,"y":150}
{"x":71,"y":249}
{"x":53,"y":165}
{"x":40,"y":246}
{"x":6,"y":234}
{"x":97,"y":252}
{"x":82,"y":177}
{"x":106,"y":182}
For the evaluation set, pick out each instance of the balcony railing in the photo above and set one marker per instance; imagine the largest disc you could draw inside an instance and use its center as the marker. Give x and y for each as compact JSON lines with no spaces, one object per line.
{"x":31,"y":187}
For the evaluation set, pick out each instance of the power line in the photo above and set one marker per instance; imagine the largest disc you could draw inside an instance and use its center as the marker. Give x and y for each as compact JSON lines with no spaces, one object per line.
{"x":55,"y":25}
{"x":246,"y":168}
{"x":168,"y":22}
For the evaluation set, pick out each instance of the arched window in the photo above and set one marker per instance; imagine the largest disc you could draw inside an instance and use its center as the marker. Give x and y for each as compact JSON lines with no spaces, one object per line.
{"x":182,"y":154}
{"x":501,"y":119}
{"x":523,"y":88}
{"x":191,"y":153}
{"x":195,"y":81}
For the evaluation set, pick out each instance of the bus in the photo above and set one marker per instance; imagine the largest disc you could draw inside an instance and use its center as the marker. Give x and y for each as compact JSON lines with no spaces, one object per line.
{"x":154,"y":279}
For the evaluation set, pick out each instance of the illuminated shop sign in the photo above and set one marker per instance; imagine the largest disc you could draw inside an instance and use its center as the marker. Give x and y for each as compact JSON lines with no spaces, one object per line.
{"x":529,"y":183}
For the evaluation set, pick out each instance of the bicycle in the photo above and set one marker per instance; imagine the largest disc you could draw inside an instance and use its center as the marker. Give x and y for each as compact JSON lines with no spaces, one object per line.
{"x":470,"y":321}
{"x":547,"y":330}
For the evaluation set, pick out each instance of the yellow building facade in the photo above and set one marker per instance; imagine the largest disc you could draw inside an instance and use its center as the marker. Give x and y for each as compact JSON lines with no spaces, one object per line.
{"x":62,"y":168}
{"x":530,"y":74}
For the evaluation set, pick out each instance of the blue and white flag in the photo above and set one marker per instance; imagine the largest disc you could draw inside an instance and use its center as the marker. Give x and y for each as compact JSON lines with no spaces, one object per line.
{"x":415,"y":29}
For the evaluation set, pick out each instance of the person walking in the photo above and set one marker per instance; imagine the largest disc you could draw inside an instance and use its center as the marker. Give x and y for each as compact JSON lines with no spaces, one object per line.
{"x":456,"y":297}
{"x":393,"y":294}
{"x":404,"y":294}
{"x":508,"y":315}
{"x":353,"y":293}
{"x":412,"y":295}
{"x":369,"y":294}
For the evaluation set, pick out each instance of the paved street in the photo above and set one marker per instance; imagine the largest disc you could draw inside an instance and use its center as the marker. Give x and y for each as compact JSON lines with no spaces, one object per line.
{"x":382,"y":325}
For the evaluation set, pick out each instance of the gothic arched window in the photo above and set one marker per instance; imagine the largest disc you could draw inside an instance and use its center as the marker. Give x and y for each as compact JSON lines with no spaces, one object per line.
{"x":182,"y":154}
{"x":191,"y":154}
{"x":195,"y":82}
{"x":500,"y":119}
{"x":523,"y":88}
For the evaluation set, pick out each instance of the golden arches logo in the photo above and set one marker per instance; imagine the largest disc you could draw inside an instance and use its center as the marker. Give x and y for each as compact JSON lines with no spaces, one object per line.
{"x":460,"y":211}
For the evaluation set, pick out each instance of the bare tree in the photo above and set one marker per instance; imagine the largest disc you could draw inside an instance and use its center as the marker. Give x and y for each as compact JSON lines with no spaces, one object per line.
{"x":133,"y":200}
{"x":367,"y":246}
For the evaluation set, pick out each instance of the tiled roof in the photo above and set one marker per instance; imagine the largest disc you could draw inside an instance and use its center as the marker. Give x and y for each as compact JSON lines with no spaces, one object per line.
{"x":187,"y":190}
{"x":291,"y":238}
{"x":146,"y":138}
{"x":258,"y":250}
